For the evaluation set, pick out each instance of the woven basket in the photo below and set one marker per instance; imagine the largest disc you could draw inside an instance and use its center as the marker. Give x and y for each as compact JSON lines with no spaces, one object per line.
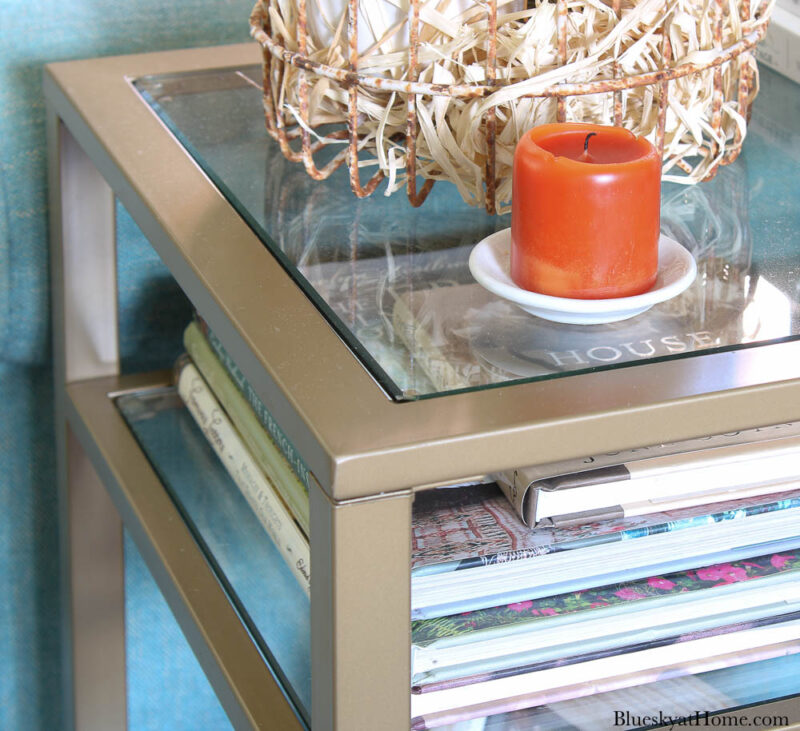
{"x":400,"y":90}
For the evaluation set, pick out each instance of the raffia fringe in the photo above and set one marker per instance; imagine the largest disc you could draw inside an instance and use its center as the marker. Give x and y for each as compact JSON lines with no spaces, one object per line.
{"x":451,"y":100}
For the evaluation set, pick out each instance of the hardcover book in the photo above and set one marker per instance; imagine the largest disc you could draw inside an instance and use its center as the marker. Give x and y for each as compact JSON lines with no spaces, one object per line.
{"x":265,"y":451}
{"x":263,"y":414}
{"x":362,"y":292}
{"x":465,"y":336}
{"x":725,"y":468}
{"x":259,"y":492}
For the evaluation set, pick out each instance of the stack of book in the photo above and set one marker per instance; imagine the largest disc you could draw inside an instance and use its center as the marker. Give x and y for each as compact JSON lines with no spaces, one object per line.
{"x":556,"y":582}
{"x":250,"y":444}
{"x":506,"y":618}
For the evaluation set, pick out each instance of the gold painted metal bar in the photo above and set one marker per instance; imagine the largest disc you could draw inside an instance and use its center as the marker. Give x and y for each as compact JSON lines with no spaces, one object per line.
{"x":241,"y":679}
{"x":97,"y":581}
{"x":84,"y":305}
{"x":360,"y":613}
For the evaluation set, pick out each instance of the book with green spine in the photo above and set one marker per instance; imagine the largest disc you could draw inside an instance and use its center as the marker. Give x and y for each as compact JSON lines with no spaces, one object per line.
{"x":254,"y":485}
{"x":266,"y":453}
{"x":261,"y":411}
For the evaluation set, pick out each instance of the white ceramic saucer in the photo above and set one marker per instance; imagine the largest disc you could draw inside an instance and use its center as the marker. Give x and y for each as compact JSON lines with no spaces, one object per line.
{"x":489,"y":263}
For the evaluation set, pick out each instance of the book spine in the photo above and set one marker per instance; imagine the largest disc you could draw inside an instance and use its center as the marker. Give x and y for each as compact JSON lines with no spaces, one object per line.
{"x":262,"y":412}
{"x":262,"y":448}
{"x":633,"y":458}
{"x":259,"y":493}
{"x":515,"y":494}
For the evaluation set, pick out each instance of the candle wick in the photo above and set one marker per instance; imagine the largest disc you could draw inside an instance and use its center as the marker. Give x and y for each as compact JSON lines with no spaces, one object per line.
{"x":586,"y":142}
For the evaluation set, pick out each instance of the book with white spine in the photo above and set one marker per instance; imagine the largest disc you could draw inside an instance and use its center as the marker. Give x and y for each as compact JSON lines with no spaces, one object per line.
{"x":256,"y":488}
{"x":263,"y":448}
{"x":662,"y":482}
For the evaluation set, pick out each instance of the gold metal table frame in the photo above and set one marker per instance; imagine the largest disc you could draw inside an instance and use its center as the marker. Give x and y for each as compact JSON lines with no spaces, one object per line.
{"x":367,"y":453}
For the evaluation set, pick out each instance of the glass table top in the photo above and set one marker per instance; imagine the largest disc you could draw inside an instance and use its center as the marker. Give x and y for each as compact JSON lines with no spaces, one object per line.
{"x":394,"y":281}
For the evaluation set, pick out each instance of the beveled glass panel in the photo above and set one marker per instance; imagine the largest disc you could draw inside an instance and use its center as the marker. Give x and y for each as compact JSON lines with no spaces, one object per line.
{"x":394,"y":280}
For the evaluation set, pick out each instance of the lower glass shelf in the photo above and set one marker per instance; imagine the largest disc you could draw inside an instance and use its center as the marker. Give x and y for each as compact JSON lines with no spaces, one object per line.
{"x":276,"y":611}
{"x":269,"y":600}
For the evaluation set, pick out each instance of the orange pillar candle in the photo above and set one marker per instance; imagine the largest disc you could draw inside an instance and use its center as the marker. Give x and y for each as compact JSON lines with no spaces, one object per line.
{"x":585,"y":212}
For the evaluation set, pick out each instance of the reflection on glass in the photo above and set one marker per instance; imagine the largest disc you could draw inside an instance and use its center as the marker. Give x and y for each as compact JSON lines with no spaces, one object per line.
{"x":464,"y":337}
{"x":394,"y":280}
{"x":768,"y":315}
